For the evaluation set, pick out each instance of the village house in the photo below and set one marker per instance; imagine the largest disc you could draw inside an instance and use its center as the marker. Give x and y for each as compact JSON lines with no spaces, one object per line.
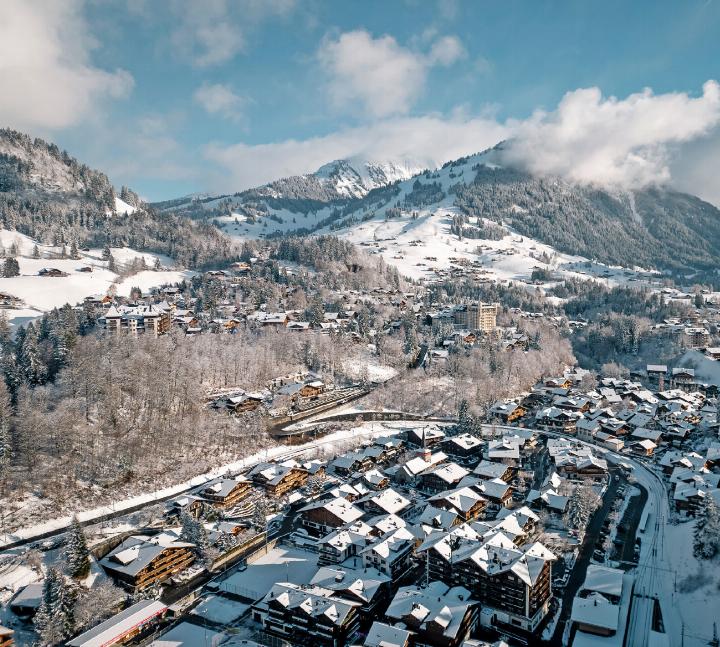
{"x":141,"y":561}
{"x":278,"y":478}
{"x":464,"y":448}
{"x":307,"y":615}
{"x":321,"y":517}
{"x":225,"y":493}
{"x":123,"y":627}
{"x":136,"y":320}
{"x":437,"y":614}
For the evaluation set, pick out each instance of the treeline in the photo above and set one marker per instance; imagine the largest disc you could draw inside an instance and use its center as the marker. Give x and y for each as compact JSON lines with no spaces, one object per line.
{"x":651,"y":228}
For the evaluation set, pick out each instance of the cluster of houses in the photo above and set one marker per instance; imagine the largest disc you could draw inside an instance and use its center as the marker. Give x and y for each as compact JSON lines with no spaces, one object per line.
{"x":664,"y":418}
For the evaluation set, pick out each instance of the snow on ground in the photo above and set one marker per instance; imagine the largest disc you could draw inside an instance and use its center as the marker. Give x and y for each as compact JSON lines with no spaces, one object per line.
{"x":698,"y":582}
{"x":122,"y":207}
{"x":40,"y":294}
{"x":373,"y":371}
{"x":281,"y":564}
{"x":148,"y":279}
{"x":355,"y":435}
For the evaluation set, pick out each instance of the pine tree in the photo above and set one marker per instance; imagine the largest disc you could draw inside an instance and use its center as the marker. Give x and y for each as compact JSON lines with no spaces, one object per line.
{"x":11,"y":267}
{"x":706,"y":539}
{"x":77,"y":555}
{"x":36,"y":252}
{"x":194,"y":532}
{"x":30,"y":360}
{"x":74,"y":250}
{"x":111,"y":263}
{"x":5,"y":430}
{"x":106,"y":253}
{"x":54,"y":620}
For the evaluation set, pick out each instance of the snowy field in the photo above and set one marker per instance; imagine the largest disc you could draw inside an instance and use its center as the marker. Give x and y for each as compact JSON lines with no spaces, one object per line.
{"x":40,"y":294}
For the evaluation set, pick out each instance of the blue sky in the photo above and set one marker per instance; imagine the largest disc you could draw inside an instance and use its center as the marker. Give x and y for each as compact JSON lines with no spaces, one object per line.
{"x":176,"y":97}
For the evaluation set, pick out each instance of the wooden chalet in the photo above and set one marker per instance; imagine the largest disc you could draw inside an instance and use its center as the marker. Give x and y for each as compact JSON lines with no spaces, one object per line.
{"x":6,"y":636}
{"x":277,"y":478}
{"x":312,"y":389}
{"x":225,"y":493}
{"x":140,"y":561}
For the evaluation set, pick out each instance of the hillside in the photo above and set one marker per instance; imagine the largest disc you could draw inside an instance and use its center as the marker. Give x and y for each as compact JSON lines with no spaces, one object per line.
{"x":653,"y":228}
{"x":53,"y":198}
{"x":338,"y":183}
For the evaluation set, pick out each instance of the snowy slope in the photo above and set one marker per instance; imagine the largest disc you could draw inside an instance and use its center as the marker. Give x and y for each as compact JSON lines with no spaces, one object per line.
{"x":419,"y":242}
{"x":40,"y":294}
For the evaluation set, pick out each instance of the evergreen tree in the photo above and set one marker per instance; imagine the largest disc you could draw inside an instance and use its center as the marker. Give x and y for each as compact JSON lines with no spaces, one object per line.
{"x":54,"y":620}
{"x":5,"y":430}
{"x":111,"y":263}
{"x":106,"y":253}
{"x":31,"y":363}
{"x":74,"y":249}
{"x":194,"y":532}
{"x":706,"y":539}
{"x":77,"y":555}
{"x":36,"y":252}
{"x":11,"y":267}
{"x":316,"y":313}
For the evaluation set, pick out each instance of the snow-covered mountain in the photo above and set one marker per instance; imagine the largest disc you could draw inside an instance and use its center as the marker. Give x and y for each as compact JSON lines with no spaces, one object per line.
{"x":356,"y":178}
{"x":476,"y":199}
{"x":334,"y":183}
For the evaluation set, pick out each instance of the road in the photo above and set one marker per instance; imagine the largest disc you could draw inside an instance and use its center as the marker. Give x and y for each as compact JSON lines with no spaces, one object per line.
{"x":577,"y":576}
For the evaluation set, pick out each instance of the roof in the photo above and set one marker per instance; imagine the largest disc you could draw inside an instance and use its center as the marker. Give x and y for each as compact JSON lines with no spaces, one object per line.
{"x":114,"y":628}
{"x":436,"y":603}
{"x":137,"y":552}
{"x":382,"y":635}
{"x":602,"y":579}
{"x":187,"y":634}
{"x":595,"y":610}
{"x":339,"y":507}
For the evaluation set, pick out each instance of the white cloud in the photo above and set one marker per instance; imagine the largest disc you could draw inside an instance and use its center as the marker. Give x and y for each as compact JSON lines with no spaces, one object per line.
{"x":643,"y":139}
{"x":378,"y":74}
{"x":47,"y":78}
{"x":627,"y":142}
{"x":219,"y":99}
{"x":446,"y":50}
{"x":426,"y":141}
{"x":215,"y":31}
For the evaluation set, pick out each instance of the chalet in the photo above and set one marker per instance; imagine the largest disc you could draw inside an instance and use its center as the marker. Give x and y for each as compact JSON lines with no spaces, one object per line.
{"x":494,"y":470}
{"x":384,"y":635}
{"x":428,"y":436}
{"x":497,"y":492}
{"x":375,"y":479}
{"x":312,"y":389}
{"x":278,"y":478}
{"x":643,"y":447}
{"x":556,"y":419}
{"x":225,"y":493}
{"x":464,"y":448}
{"x":302,"y":615}
{"x":6,"y":637}
{"x":513,"y":584}
{"x":657,"y":374}
{"x":28,"y":600}
{"x":437,"y":614}
{"x":433,"y":519}
{"x":124,"y":627}
{"x":141,"y":561}
{"x":387,"y":501}
{"x":443,"y":477}
{"x":602,"y":600}
{"x":321,"y":517}
{"x":367,"y":587}
{"x":85,"y":268}
{"x":347,"y":464}
{"x":465,"y":502}
{"x":343,"y":543}
{"x":506,"y":412}
{"x":240,"y":402}
{"x":683,"y":378}
{"x":136,"y":320}
{"x":51,"y":272}
{"x":391,"y":553}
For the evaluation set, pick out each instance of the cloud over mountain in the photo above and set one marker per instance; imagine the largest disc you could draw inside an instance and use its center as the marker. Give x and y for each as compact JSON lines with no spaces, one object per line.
{"x":626,"y":142}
